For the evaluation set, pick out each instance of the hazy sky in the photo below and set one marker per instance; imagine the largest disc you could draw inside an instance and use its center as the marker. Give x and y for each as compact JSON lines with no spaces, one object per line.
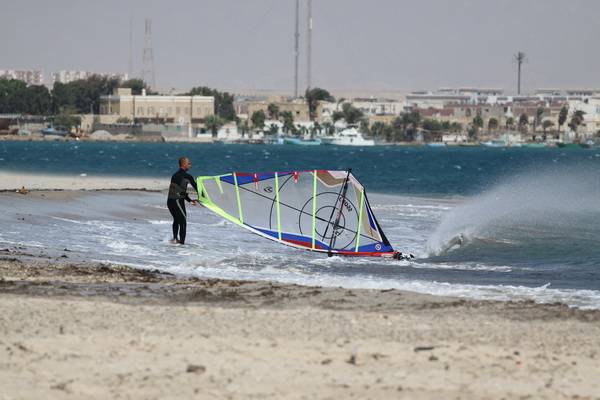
{"x":357,"y":45}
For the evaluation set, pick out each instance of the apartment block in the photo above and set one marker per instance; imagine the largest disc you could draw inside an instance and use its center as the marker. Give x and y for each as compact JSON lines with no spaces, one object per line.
{"x":31,"y":77}
{"x":70,"y":76}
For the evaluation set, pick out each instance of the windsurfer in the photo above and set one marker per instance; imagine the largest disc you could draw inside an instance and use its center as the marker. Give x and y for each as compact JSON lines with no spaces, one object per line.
{"x":177,"y":195}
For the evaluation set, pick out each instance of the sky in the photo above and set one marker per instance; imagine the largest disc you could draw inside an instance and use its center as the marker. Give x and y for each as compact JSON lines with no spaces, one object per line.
{"x":357,"y":45}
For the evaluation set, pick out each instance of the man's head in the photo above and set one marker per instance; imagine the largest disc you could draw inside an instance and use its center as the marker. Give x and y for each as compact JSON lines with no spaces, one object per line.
{"x":185,"y":163}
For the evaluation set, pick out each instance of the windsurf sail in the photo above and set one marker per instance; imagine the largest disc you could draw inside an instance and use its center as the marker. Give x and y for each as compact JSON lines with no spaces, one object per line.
{"x":322,"y":211}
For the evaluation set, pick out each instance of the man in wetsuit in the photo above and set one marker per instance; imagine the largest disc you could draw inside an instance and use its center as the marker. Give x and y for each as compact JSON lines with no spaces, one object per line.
{"x":177,"y":195}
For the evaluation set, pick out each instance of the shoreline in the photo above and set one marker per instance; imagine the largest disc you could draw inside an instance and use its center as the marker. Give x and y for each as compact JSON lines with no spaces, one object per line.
{"x":102,"y":330}
{"x":97,"y":331}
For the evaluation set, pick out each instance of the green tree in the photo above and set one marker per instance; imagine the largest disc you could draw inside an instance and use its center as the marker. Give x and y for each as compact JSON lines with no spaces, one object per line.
{"x":12,"y":96}
{"x":288,"y":122}
{"x":510,"y":122}
{"x":433,"y":130}
{"x":243,"y":127}
{"x":69,"y":120}
{"x":258,"y":119}
{"x":87,"y":92}
{"x":398,"y":128}
{"x":381,"y":130}
{"x":39,"y":100}
{"x":547,"y":124}
{"x":213,"y":123}
{"x":352,"y":115}
{"x":313,"y":97}
{"x":473,"y":133}
{"x":576,"y":121}
{"x":478,"y":122}
{"x":493,"y":124}
{"x":523,"y":122}
{"x":223,"y":101}
{"x":519,"y":58}
{"x":273,"y":129}
{"x":137,"y":86}
{"x":413,"y":120}
{"x":456,"y":127}
{"x":337,"y":116}
{"x":273,"y":110}
{"x":562,"y":116}
{"x":538,"y":117}
{"x":316,"y":127}
{"x":63,"y":98}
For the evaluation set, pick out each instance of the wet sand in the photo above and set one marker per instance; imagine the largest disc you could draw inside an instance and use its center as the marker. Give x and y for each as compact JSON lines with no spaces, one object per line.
{"x":110,"y":331}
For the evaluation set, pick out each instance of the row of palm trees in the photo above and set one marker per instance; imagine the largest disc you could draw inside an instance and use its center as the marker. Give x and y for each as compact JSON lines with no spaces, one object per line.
{"x":402,"y":128}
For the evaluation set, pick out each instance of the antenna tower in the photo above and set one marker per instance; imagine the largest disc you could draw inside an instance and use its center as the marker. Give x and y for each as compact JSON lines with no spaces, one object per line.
{"x":296,"y":52}
{"x":148,"y":60}
{"x":308,"y":45}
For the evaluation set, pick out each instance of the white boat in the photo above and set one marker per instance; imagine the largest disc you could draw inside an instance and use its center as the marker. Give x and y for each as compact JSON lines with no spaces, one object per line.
{"x":302,"y":142}
{"x":494,"y":143}
{"x":348,"y":137}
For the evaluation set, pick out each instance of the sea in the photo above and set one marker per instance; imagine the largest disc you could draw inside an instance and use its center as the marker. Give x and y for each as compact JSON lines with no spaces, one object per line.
{"x":507,"y":224}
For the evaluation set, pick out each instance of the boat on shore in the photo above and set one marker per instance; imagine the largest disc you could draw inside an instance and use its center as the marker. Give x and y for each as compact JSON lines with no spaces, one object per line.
{"x":535,"y":145}
{"x":59,"y":131}
{"x":494,"y":143}
{"x":348,"y":137}
{"x":6,"y":120}
{"x":567,"y":144}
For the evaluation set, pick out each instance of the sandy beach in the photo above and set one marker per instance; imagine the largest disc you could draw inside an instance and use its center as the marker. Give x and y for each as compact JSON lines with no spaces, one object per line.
{"x":109,"y":331}
{"x":102,"y":330}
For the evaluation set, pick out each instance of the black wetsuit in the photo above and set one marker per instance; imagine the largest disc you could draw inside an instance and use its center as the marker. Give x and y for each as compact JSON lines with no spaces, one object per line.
{"x":176,"y":203}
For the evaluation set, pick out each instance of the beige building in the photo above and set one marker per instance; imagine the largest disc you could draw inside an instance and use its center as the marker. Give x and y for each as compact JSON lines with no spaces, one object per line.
{"x":299,"y":109}
{"x":178,"y":110}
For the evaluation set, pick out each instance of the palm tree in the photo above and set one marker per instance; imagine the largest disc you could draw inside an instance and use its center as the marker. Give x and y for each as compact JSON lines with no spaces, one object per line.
{"x":273,"y":110}
{"x":546,"y":124}
{"x":213,"y":123}
{"x":523,"y":122}
{"x":562,"y":117}
{"x":313,"y":97}
{"x":576,"y":120}
{"x":520,"y":58}
{"x":288,"y":122}
{"x":478,"y":122}
{"x":538,"y":117}
{"x":510,"y":122}
{"x":414,"y":120}
{"x":258,"y":119}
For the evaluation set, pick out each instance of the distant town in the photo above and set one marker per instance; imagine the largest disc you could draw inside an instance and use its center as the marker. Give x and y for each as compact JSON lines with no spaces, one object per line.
{"x":447,"y":116}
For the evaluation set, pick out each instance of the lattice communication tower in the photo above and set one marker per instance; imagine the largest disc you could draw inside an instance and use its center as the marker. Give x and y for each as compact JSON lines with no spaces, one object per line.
{"x":148,"y":59}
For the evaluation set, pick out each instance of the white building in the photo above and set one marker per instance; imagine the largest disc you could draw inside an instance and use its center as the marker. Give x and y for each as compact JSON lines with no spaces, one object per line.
{"x":31,"y":77}
{"x":70,"y":76}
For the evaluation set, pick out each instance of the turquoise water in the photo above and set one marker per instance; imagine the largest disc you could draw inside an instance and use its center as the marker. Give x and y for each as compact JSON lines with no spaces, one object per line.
{"x":406,"y":170}
{"x":502,"y":223}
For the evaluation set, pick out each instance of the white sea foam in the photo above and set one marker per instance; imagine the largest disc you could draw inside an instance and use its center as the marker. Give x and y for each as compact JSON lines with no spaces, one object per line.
{"x":134,"y":229}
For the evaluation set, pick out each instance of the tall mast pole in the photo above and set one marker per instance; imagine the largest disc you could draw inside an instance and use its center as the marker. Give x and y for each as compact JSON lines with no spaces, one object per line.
{"x":308,"y":46}
{"x":130,"y":70}
{"x":296,"y":51}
